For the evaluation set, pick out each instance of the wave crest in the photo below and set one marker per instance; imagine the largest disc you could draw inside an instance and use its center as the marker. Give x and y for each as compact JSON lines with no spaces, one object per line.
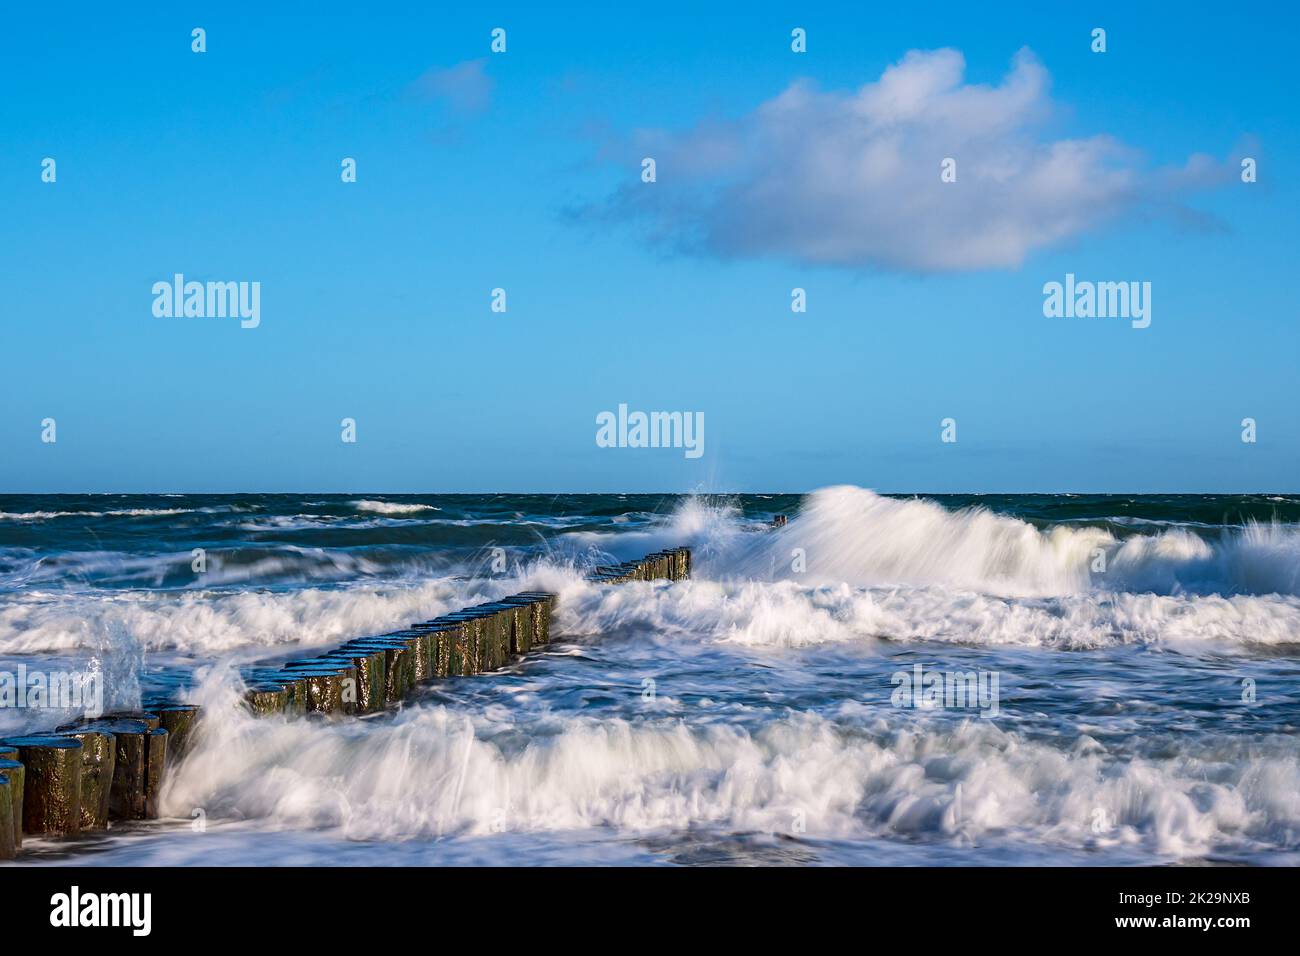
{"x":851,"y":535}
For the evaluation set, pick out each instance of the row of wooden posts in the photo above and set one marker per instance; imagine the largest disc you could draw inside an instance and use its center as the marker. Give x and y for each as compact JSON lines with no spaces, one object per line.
{"x":111,"y":768}
{"x":370,"y":674}
{"x":86,"y":774}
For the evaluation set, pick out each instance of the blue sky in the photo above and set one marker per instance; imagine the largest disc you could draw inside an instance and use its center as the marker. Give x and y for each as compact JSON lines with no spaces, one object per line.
{"x":521,"y":171}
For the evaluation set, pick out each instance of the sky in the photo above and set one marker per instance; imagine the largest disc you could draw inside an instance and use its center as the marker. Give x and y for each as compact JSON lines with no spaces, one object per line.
{"x":523,"y":170}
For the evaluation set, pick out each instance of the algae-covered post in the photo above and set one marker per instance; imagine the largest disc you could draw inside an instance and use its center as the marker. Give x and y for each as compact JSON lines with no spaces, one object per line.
{"x":541,"y":603}
{"x":16,"y":773}
{"x":8,"y":849}
{"x":417,"y":642}
{"x":495,"y":648}
{"x":156,"y":755}
{"x":98,"y":757}
{"x":178,"y":720}
{"x":265,"y":699}
{"x":521,"y":624}
{"x":369,"y":666}
{"x":52,"y":784}
{"x":441,"y":645}
{"x":325,"y":683}
{"x":398,"y":666}
{"x":126,"y":795}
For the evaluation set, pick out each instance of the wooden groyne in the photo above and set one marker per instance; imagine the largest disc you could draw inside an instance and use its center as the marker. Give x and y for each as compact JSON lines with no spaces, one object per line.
{"x":370,"y":674}
{"x":87,"y":775}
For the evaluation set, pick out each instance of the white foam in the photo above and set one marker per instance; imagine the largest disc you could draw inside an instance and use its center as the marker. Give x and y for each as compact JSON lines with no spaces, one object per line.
{"x":39,"y":515}
{"x":851,"y":535}
{"x":117,"y":513}
{"x":853,"y":565}
{"x":205,"y":623}
{"x":432,"y":772}
{"x":392,"y":507}
{"x":789,"y":614}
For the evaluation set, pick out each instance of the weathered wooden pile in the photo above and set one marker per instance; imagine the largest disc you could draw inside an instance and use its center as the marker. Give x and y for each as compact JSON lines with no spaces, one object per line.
{"x":86,"y":774}
{"x":111,"y":768}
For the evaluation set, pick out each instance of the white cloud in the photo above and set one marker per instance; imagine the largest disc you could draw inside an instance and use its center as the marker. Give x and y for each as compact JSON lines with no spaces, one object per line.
{"x":465,"y":86}
{"x":852,"y":178}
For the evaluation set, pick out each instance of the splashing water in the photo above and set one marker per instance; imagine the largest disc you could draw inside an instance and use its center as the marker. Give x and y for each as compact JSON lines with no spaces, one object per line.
{"x":1147,"y":652}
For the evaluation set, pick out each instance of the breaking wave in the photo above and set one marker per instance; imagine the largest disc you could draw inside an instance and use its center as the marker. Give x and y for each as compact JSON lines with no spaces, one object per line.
{"x":393,"y":507}
{"x":434,"y":772}
{"x":853,"y":536}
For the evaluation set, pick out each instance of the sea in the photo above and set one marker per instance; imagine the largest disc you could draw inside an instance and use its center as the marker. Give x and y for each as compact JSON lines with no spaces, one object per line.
{"x":886,"y":680}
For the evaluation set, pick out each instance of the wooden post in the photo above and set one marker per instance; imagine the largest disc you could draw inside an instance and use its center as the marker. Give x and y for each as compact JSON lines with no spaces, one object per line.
{"x":505,"y":615}
{"x":489,"y":636}
{"x":150,"y":717}
{"x":542,"y":614}
{"x":8,"y":849}
{"x":127,"y":799}
{"x":456,"y":641}
{"x":324,"y":682}
{"x":535,"y":616}
{"x":14,"y":797}
{"x":465,"y":643}
{"x":98,"y":757}
{"x":469,"y":641}
{"x":399,"y":665}
{"x":471,"y":648}
{"x":494,"y":643}
{"x":442,"y":640}
{"x":369,"y":665}
{"x":465,"y":640}
{"x":265,"y":699}
{"x":155,"y":770}
{"x":324,"y":696}
{"x":399,"y":659}
{"x":261,"y":695}
{"x":296,"y":694}
{"x":418,"y":643}
{"x":178,"y":720}
{"x":521,"y":623}
{"x":52,"y":784}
